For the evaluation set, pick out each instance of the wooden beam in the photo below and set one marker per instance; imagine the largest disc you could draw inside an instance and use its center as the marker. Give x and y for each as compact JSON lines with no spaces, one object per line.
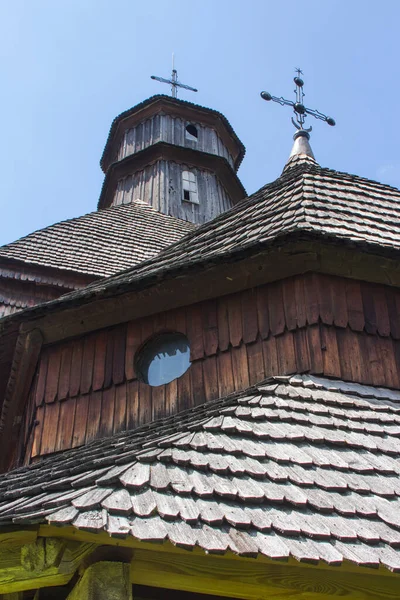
{"x":47,"y":562}
{"x":208,"y":575}
{"x":104,"y":581}
{"x":25,"y":359}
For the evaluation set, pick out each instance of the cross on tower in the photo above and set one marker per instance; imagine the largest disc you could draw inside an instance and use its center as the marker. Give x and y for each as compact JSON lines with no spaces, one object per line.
{"x":299,"y":109}
{"x":175,"y":84}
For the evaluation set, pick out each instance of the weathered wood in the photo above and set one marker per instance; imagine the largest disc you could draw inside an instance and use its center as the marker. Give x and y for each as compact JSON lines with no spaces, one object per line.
{"x":94,"y":415}
{"x":311,"y":297}
{"x":262,"y":311}
{"x":225,"y":375}
{"x":249,"y":316}
{"x":50,"y":428}
{"x":289,"y":303}
{"x":132,"y":404}
{"x":65,"y":370}
{"x":42,"y":554}
{"x":240,"y":367}
{"x":275,"y":309}
{"x":119,"y":355}
{"x":53,"y":371}
{"x":24,"y":364}
{"x":133,"y":341}
{"x":235,"y":319}
{"x":76,"y":367}
{"x":99,"y":360}
{"x":46,"y":562}
{"x":67,"y":418}
{"x":210,"y":327}
{"x":223,"y":325}
{"x":195,"y":331}
{"x":210,"y":378}
{"x":302,"y":351}
{"x":41,"y":378}
{"x":158,"y":402}
{"x":107,"y":412}
{"x":104,"y":581}
{"x":338,"y":350}
{"x":255,"y":361}
{"x":286,"y":353}
{"x":109,"y":360}
{"x":369,"y":309}
{"x":197,"y":391}
{"x":184,"y":390}
{"x":330,"y":351}
{"x":171,"y":398}
{"x":87,"y":364}
{"x":80,"y":422}
{"x":252,"y":580}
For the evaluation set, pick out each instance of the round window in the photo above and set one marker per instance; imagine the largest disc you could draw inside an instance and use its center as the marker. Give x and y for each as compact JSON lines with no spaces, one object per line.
{"x":163,"y":358}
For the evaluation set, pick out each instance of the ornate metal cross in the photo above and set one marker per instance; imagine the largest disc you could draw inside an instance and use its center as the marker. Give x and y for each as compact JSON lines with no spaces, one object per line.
{"x":174,"y":83}
{"x":299,"y":109}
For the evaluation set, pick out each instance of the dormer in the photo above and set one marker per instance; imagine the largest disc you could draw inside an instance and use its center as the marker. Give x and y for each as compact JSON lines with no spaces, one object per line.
{"x":178,"y":157}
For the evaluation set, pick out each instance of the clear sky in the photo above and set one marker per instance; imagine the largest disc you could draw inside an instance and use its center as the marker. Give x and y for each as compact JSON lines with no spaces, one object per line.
{"x":68,"y":67}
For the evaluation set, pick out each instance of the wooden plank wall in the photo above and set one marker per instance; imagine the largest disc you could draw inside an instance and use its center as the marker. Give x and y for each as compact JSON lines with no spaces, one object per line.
{"x":170,"y":129}
{"x":160,"y":185}
{"x":87,"y":388}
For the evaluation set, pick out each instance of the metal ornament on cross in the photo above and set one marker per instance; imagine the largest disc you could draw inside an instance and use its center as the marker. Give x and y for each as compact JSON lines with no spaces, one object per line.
{"x":173,"y":82}
{"x":299,"y":109}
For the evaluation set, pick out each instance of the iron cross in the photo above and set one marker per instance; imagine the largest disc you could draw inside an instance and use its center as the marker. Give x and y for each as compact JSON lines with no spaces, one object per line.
{"x":174,"y":83}
{"x":299,"y":109}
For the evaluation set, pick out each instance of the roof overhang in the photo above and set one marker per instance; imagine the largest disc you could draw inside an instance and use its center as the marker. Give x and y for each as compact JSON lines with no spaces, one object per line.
{"x":80,"y":312}
{"x":163,"y":151}
{"x":175,"y":108}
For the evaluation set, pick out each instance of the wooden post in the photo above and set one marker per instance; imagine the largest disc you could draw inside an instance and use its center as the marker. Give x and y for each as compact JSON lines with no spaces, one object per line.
{"x":104,"y":581}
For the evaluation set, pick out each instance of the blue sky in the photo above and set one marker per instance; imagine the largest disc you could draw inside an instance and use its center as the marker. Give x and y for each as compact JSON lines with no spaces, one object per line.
{"x":69,"y":67}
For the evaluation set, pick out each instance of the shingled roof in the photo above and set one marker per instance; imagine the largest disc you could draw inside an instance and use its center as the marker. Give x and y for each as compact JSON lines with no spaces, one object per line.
{"x":306,"y":199}
{"x":298,"y":466}
{"x":100,"y":243}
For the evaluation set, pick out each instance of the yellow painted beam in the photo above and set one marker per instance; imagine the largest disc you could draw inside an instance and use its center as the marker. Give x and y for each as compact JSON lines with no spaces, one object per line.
{"x":46,"y":563}
{"x":255,"y":580}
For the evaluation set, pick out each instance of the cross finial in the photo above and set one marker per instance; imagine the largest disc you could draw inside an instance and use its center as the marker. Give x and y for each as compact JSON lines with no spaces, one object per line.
{"x":174,"y":83}
{"x":299,"y":109}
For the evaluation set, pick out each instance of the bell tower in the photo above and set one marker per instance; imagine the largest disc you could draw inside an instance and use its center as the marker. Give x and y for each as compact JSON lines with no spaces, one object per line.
{"x":179,"y":157}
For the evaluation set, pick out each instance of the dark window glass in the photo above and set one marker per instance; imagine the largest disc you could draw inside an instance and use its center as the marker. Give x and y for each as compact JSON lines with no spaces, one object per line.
{"x":163,"y":358}
{"x":186,"y":195}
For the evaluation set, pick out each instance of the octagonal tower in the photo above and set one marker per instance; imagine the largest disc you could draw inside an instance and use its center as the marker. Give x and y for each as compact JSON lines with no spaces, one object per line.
{"x":179,"y":157}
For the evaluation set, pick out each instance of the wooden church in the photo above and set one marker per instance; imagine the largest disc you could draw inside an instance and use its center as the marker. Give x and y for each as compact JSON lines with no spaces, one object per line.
{"x":199,"y":390}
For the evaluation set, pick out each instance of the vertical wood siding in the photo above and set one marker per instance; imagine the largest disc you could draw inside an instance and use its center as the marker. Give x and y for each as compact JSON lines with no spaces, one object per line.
{"x":166,"y":128}
{"x":87,"y":387}
{"x":160,"y":185}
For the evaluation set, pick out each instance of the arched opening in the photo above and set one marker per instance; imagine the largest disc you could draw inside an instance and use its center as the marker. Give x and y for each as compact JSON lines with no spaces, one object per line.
{"x":191,"y":132}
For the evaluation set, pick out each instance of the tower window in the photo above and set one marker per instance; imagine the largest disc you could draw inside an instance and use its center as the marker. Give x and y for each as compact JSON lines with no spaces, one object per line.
{"x":189,"y":187}
{"x":191,"y":132}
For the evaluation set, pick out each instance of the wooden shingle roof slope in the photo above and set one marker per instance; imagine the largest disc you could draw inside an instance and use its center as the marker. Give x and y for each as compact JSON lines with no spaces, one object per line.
{"x":305,"y":202}
{"x":99,"y":243}
{"x":298,"y":466}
